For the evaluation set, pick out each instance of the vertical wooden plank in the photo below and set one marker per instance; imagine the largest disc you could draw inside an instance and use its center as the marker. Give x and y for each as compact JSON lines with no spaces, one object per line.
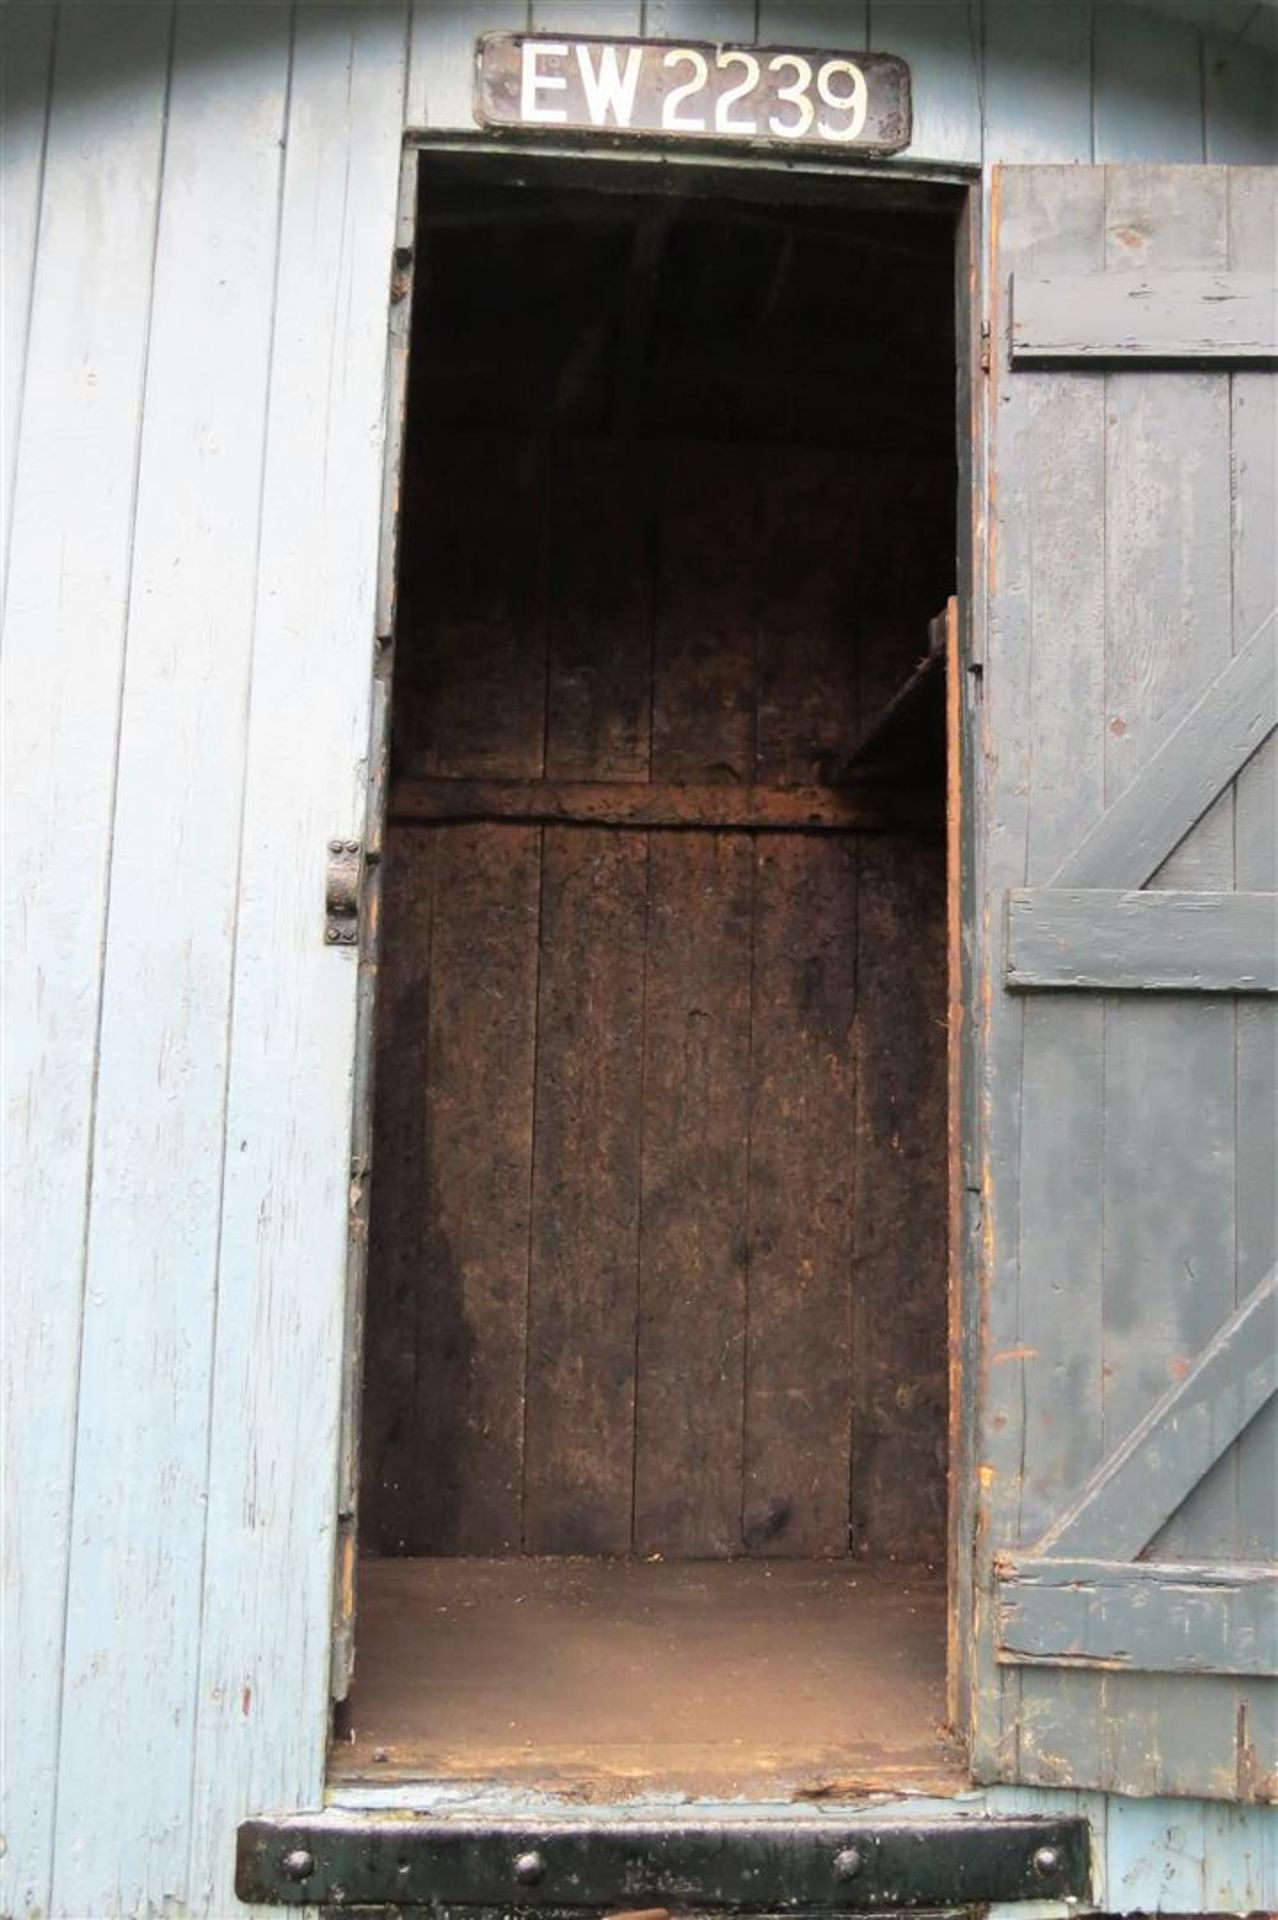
{"x":700,"y":19}
{"x":472,"y":1284}
{"x":441,"y":73}
{"x":1147,"y":87}
{"x":1240,"y":107}
{"x":585,"y":16}
{"x":1046,"y":711}
{"x":68,"y":584}
{"x":470,"y":647}
{"x":579,"y":1445}
{"x":814,"y":23}
{"x":1037,"y":71}
{"x":389,"y":1455}
{"x":1253,"y":247}
{"x":898,"y":1252}
{"x":941,"y":41}
{"x":693,"y":1252}
{"x":1169,"y":1067}
{"x":26,"y":74}
{"x":133,"y":1618}
{"x":262,"y":1713}
{"x":802,"y":1113}
{"x":599,"y":674}
{"x":703,"y":690}
{"x":810,"y":599}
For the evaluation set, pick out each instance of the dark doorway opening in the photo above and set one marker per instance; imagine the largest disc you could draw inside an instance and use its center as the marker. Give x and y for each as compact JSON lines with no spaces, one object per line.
{"x":655,"y":1401}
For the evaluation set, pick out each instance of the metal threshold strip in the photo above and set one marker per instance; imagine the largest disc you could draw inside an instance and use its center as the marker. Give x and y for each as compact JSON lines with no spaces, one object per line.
{"x":809,"y":1865}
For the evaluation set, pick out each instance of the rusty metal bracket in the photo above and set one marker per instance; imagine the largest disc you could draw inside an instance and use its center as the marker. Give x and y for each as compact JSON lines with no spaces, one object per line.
{"x":817,"y":1866}
{"x":343,"y":877}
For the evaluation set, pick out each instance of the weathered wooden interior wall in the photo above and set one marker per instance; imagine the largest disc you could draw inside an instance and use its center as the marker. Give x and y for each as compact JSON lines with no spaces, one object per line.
{"x":658,"y":1239}
{"x":199,"y":208}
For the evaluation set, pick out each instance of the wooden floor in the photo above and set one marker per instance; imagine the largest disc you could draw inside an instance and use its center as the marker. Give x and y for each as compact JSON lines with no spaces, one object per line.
{"x":764,"y":1679}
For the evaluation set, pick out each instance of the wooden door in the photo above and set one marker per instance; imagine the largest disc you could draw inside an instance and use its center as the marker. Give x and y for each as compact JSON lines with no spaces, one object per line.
{"x":1128,"y":1606}
{"x":658,"y":1234}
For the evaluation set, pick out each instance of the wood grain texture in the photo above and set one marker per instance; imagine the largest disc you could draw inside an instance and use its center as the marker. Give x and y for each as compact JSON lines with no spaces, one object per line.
{"x":1139,"y":1617}
{"x":26,"y":77}
{"x":900,"y":1387}
{"x":599,"y":670}
{"x":1083,"y":319}
{"x":585,"y":1197}
{"x":151,"y":1295}
{"x":1142,"y":942}
{"x":64,"y":618}
{"x":621,"y":803}
{"x":798,"y":1374}
{"x":693,"y":1255}
{"x":262,"y":1717}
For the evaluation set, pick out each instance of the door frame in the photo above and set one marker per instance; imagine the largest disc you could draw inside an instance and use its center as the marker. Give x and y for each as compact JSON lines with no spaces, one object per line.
{"x":591,"y":165}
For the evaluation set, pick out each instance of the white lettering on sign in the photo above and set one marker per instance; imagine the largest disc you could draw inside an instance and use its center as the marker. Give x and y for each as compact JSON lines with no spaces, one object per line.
{"x":533,"y":82}
{"x":798,"y":96}
{"x":607,"y":88}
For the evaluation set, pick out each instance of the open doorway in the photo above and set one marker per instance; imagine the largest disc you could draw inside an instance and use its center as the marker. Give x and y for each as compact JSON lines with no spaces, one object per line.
{"x":655,"y":1398}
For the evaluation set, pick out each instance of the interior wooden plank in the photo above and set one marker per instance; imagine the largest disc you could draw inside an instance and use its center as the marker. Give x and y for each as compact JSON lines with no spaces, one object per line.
{"x":704,"y":645}
{"x":390,"y":1457}
{"x":471,"y":629}
{"x":585,"y":1194}
{"x":615,"y":1680}
{"x":134,"y":1619}
{"x":693,"y":1246}
{"x":472,"y":1282}
{"x":811,"y":594}
{"x":798,"y":1379}
{"x":72,"y":508}
{"x":899,"y":1355}
{"x":621,"y":803}
{"x":599,"y":677}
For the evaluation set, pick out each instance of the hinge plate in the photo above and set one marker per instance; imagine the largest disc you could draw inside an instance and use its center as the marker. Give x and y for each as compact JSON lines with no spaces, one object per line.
{"x":820,"y":1865}
{"x":342,"y":879}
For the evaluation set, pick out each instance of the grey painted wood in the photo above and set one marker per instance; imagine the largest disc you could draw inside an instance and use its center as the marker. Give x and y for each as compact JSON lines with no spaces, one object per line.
{"x":941,"y":42}
{"x":441,"y":68}
{"x":1194,"y":760}
{"x":1023,"y":122}
{"x":26,"y":66}
{"x":1165,"y":1456}
{"x":142,"y":1434}
{"x":1170,"y":1175}
{"x":1142,"y":1617}
{"x":1240,"y":103}
{"x":1142,"y":942}
{"x":1079,"y":319}
{"x":1146,"y":87}
{"x":261,"y":1705}
{"x":64,"y":619}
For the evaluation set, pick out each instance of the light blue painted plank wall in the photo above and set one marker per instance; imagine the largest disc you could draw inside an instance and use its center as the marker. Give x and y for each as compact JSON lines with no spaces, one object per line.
{"x":188,"y":616}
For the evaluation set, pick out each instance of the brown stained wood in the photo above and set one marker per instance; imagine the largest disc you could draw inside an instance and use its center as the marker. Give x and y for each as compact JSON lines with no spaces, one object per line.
{"x":703,"y":700}
{"x":599,"y":693}
{"x":471,"y":659}
{"x":693,"y":1250}
{"x":609,"y":1679}
{"x":811,"y":593}
{"x":798,"y":1381}
{"x":898,"y":1270}
{"x":618,"y":803}
{"x":389,"y":1450}
{"x":473,"y":1199}
{"x":585,"y":1224}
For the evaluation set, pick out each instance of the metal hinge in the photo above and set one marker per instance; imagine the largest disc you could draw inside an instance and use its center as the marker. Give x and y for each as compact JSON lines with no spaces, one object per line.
{"x":342,"y":882}
{"x":985,"y":346}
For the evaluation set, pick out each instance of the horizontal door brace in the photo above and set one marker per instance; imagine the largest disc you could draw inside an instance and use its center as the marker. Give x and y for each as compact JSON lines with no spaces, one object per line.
{"x":1142,"y":942}
{"x":637,"y":803}
{"x":1079,"y":319}
{"x":1143,"y":1616}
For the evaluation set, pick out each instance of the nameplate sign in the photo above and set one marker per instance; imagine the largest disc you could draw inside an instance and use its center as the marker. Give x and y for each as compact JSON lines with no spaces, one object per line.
{"x":663,"y":90}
